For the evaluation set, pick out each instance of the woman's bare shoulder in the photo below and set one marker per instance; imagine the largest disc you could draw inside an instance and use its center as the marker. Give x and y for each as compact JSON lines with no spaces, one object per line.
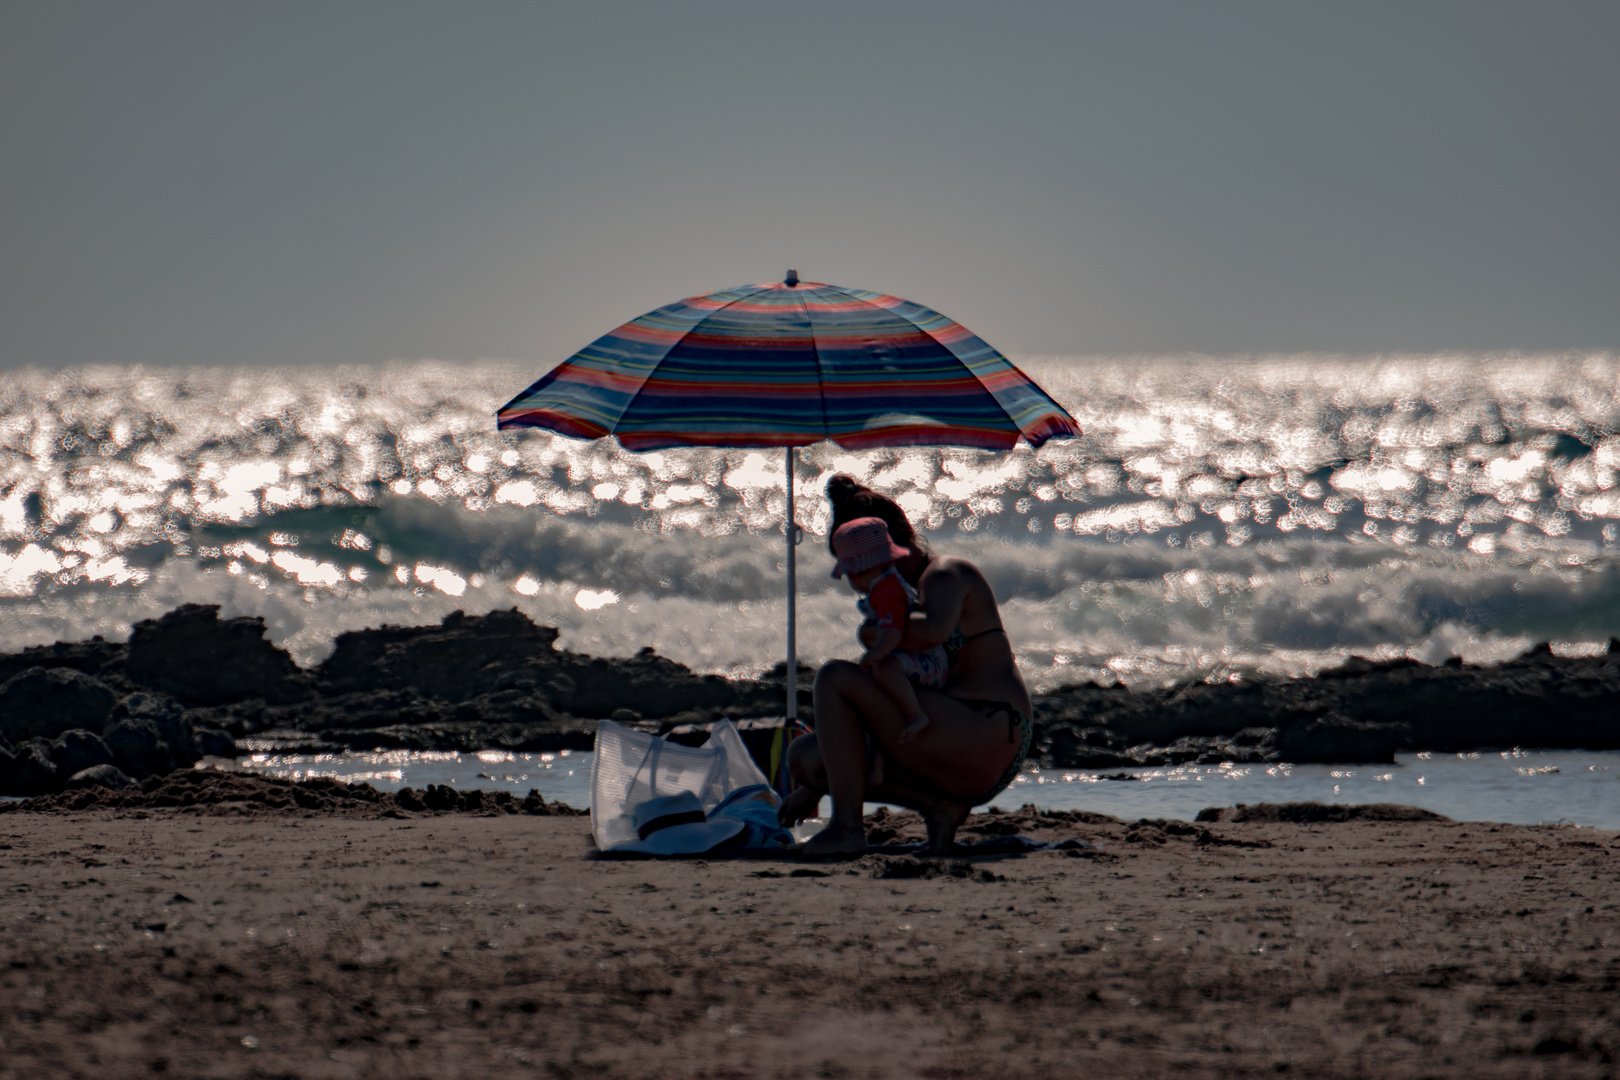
{"x":951,"y":566}
{"x":948,"y":576}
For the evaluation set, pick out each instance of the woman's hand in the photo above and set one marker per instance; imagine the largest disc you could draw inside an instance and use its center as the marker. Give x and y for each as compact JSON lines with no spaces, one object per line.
{"x":944,"y":589}
{"x":801,"y":804}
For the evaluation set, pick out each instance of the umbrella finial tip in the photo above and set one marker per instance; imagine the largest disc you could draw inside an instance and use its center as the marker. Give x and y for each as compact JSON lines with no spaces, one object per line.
{"x":792,"y":277}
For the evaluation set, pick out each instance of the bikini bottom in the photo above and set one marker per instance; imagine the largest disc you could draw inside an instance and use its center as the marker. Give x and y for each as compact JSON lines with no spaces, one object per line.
{"x":1019,"y":730}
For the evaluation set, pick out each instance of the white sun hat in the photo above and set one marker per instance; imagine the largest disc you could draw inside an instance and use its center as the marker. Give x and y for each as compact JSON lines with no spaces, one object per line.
{"x":676,"y":825}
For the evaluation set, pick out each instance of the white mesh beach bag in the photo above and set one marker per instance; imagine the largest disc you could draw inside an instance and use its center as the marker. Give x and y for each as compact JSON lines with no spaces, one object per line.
{"x":632,"y":767}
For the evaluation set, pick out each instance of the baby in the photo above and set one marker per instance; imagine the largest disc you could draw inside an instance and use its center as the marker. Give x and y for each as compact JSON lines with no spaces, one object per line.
{"x":868,"y":555}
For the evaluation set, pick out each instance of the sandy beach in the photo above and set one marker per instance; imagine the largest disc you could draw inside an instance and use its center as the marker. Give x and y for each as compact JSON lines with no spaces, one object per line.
{"x":230,"y":941}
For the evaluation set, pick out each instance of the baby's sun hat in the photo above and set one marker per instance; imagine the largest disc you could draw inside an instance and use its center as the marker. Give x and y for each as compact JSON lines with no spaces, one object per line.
{"x":862,"y":544}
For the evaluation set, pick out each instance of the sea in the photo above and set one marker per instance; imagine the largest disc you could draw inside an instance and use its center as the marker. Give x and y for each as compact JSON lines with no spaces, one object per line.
{"x":1222,"y":518}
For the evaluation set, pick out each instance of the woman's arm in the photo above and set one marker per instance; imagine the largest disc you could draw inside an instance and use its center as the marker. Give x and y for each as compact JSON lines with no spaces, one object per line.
{"x":942,"y":589}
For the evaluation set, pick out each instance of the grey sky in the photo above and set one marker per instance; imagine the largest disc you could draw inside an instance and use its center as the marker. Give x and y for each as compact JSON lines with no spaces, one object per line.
{"x":349,"y":183}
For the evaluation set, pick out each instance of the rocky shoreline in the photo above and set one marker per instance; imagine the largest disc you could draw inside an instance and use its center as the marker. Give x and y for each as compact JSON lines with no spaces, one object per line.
{"x":190,"y":685}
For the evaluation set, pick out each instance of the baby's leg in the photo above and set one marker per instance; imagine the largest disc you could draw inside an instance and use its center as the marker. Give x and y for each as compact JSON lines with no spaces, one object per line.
{"x":891,"y":677}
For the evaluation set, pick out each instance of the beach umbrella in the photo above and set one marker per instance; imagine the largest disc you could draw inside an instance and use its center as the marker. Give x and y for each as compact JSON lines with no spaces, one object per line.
{"x":789,"y":364}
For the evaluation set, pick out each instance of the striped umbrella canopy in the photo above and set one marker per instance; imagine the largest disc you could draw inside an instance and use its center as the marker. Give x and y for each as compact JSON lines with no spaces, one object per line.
{"x":789,"y":364}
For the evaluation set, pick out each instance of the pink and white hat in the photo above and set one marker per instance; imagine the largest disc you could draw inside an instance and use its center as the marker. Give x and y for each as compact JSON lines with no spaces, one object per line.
{"x":862,"y":544}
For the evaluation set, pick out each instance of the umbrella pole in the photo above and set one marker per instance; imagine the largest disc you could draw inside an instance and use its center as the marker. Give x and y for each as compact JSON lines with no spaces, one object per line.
{"x":791,"y":532}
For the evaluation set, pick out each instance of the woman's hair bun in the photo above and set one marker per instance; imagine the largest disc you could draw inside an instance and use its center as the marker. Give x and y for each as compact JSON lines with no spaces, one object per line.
{"x":852,"y":499}
{"x":842,"y":489}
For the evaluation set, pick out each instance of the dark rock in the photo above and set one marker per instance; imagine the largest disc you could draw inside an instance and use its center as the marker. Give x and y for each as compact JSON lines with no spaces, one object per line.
{"x":45,"y":702}
{"x":29,"y":770}
{"x":1357,"y":665}
{"x":462,"y":657}
{"x":408,"y":799}
{"x":441,"y":797}
{"x":98,"y":657}
{"x":1334,"y":738}
{"x":1147,"y":754}
{"x":408,"y":737}
{"x":211,"y":742}
{"x":203,"y":660}
{"x":148,"y":735}
{"x":1203,"y":750}
{"x":514,"y":680}
{"x":75,"y":751}
{"x":501,"y":666}
{"x":107,"y":776}
{"x":361,"y":709}
{"x":238,"y":718}
{"x":1084,"y":748}
{"x":1538,"y":700}
{"x":654,"y":688}
{"x":1310,"y":812}
{"x":160,"y":708}
{"x":139,"y":748}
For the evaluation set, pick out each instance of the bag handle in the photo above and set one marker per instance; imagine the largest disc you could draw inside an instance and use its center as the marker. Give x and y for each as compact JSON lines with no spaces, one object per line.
{"x":652,"y":783}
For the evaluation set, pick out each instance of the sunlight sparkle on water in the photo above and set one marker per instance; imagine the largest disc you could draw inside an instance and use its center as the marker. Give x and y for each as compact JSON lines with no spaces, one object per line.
{"x":1330,"y":506}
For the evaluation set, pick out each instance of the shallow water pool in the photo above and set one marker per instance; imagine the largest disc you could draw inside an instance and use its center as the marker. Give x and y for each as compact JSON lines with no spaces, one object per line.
{"x":1524,"y":787}
{"x":563,"y":776}
{"x":1517,"y":786}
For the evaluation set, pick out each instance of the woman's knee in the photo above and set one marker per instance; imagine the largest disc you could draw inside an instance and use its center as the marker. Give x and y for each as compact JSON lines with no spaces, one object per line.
{"x":836,"y":674}
{"x":804,"y":762}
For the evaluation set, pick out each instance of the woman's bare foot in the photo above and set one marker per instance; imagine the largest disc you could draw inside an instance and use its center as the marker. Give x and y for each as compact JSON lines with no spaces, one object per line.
{"x":942,"y":820}
{"x":833,"y":842}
